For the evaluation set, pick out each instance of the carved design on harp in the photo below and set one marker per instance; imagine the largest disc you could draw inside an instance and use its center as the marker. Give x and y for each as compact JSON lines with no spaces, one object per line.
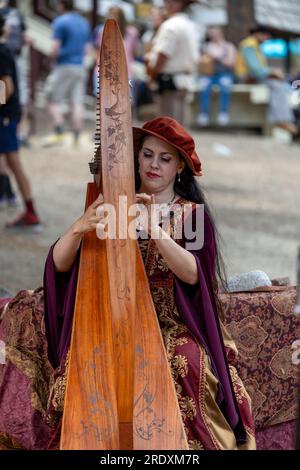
{"x":146,"y":421}
{"x":115,"y":131}
{"x":116,"y":145}
{"x":98,"y":405}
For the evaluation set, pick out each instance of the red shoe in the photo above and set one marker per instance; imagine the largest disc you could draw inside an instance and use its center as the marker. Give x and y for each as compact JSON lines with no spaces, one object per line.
{"x":25,"y":220}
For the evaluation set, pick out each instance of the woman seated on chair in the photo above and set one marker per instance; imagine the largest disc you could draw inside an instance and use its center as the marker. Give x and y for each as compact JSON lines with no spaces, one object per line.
{"x":183,"y":278}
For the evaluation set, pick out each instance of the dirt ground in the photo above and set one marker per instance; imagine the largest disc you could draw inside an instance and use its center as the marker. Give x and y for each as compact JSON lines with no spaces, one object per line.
{"x":252,"y":184}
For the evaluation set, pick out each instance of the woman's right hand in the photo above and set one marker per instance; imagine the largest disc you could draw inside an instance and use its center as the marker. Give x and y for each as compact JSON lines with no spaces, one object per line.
{"x":65,"y":250}
{"x":89,"y":220}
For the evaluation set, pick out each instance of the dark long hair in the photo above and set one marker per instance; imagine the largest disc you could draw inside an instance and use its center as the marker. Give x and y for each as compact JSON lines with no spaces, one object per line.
{"x":189,"y":189}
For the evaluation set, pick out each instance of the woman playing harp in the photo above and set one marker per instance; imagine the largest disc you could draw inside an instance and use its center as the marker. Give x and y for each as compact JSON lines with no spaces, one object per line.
{"x":36,"y":326}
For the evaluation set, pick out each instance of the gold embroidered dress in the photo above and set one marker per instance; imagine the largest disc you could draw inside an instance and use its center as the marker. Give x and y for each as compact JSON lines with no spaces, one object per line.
{"x":195,"y":383}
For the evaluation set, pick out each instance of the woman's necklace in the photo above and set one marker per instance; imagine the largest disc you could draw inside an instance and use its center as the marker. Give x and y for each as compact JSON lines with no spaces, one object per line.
{"x":172,"y":200}
{"x":165,"y":207}
{"x":168,"y":204}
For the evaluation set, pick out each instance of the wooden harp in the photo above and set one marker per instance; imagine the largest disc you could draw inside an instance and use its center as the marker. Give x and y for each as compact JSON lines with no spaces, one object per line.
{"x":119,"y":393}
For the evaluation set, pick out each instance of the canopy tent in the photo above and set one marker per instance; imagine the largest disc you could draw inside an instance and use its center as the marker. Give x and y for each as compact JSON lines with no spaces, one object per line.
{"x":282,"y":16}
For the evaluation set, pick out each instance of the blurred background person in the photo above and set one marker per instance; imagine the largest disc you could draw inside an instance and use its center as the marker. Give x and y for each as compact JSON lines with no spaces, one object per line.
{"x":16,"y":39}
{"x":173,"y":58}
{"x":67,"y":81}
{"x":144,"y":94}
{"x":157,"y":16}
{"x":7,"y":195}
{"x":10,"y":114}
{"x":218,"y":59}
{"x":252,"y":67}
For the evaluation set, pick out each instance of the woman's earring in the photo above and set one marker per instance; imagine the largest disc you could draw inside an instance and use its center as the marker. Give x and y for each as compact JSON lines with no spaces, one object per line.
{"x":178,"y":179}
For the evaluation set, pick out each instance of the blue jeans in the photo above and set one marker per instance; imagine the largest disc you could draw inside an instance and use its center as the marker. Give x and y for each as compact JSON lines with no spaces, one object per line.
{"x":224,"y":80}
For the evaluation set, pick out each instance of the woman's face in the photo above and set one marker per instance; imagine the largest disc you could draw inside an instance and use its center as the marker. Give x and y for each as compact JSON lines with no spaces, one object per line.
{"x":215,"y":34}
{"x":159,"y":164}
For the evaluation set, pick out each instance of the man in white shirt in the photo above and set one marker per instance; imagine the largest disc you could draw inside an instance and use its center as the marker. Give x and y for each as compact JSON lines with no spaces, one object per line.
{"x":172,"y":61}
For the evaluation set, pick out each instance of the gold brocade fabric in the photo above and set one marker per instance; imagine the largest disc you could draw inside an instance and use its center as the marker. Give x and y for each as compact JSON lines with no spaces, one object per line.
{"x":31,"y":391}
{"x":266,"y":332}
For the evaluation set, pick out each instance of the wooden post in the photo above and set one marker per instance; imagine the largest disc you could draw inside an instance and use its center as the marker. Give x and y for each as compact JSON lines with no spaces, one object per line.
{"x":241,"y":18}
{"x":94,"y":13}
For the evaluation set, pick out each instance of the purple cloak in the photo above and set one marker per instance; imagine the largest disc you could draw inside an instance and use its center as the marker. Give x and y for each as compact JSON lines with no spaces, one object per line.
{"x":198,"y":311}
{"x":59,"y":299}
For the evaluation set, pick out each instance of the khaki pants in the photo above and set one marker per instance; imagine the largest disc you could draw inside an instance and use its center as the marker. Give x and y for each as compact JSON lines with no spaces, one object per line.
{"x":66,"y":83}
{"x":172,"y":103}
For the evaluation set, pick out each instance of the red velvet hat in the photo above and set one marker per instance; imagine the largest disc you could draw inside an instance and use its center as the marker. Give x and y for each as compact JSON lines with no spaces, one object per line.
{"x":170,"y":131}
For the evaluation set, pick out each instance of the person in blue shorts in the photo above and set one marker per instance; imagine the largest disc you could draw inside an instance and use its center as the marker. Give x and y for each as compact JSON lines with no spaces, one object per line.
{"x":71,"y":36}
{"x":10,"y":114}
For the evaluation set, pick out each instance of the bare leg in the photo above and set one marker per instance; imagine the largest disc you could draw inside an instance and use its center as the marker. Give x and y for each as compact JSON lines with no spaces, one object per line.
{"x":24,"y":125}
{"x":14,"y":162}
{"x":77,"y":117}
{"x":56,"y":114}
{"x":29,"y":218}
{"x":3,"y":165}
{"x":58,"y":124}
